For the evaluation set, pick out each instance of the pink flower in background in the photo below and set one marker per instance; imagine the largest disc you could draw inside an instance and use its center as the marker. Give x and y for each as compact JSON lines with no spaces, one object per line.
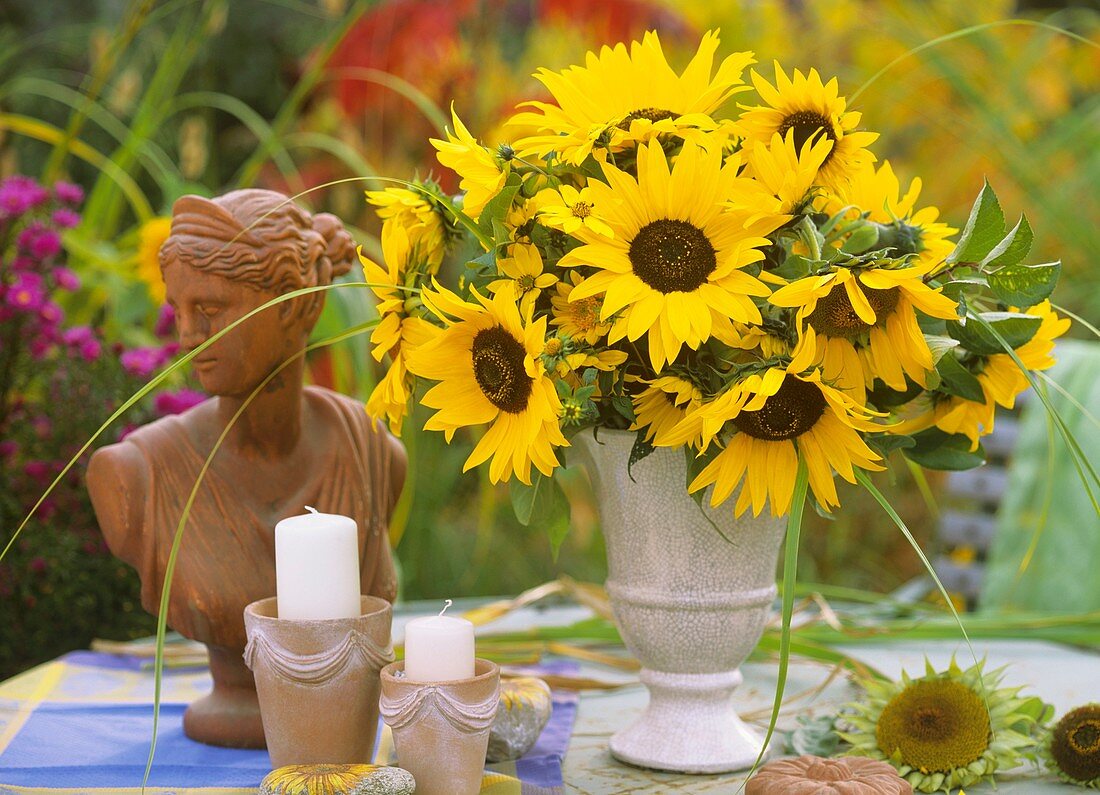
{"x":38,"y":565}
{"x":177,"y":402}
{"x":39,"y":348}
{"x":8,"y":448}
{"x":66,"y":279}
{"x":42,"y":426}
{"x":141,"y":362}
{"x":51,"y":314}
{"x":26,"y":293}
{"x":23,"y":263}
{"x":66,"y":218}
{"x":166,"y":322}
{"x":47,"y":244}
{"x":38,"y":470}
{"x":83,"y":341}
{"x":19,"y":194}
{"x":68,"y":192}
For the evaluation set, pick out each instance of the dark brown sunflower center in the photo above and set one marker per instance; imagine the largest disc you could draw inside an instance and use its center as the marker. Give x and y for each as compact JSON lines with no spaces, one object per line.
{"x":936,"y":726}
{"x":808,"y":125}
{"x":1075,"y":743}
{"x":834,"y":316}
{"x":787,"y":414}
{"x":1085,"y":739}
{"x":672,"y":256}
{"x":653,"y":114}
{"x":498,"y":369}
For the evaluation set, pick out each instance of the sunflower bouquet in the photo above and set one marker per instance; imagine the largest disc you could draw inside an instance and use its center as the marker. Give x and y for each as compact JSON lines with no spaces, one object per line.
{"x":708,"y":260}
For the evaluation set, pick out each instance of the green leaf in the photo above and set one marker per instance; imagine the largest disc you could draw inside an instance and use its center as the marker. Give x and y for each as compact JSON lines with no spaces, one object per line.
{"x":984,"y":229}
{"x":883,"y":397}
{"x":959,"y":286}
{"x":1025,"y":285}
{"x":886,"y":443}
{"x":1013,"y":248}
{"x":543,"y":504}
{"x":794,"y":267}
{"x":957,"y":380}
{"x":624,"y":405}
{"x":642,"y":448}
{"x":939,"y":345}
{"x":1016,"y":328}
{"x":497,"y":208}
{"x":936,"y":449}
{"x":862,"y":239}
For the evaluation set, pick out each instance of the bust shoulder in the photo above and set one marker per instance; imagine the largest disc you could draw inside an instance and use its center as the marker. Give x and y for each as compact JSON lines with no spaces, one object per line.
{"x":368,"y":434}
{"x":118,"y":483}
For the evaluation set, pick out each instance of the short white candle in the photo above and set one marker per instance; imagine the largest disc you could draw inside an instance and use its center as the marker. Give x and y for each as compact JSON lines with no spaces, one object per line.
{"x":317,"y":566}
{"x":439,"y":648}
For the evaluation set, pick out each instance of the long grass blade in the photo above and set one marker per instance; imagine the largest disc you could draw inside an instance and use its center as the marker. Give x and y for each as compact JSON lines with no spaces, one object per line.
{"x":865,"y":481}
{"x":1044,"y":513}
{"x":963,"y":33}
{"x":1077,"y":319}
{"x":1073,"y":401}
{"x":177,"y":539}
{"x":421,"y":101}
{"x":790,"y":569}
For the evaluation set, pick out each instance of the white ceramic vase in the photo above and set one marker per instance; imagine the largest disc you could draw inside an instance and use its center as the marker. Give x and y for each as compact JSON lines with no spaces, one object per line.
{"x":689,"y":605}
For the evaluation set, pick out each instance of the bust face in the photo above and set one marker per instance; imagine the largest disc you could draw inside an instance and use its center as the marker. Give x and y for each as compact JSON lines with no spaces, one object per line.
{"x":206,"y":303}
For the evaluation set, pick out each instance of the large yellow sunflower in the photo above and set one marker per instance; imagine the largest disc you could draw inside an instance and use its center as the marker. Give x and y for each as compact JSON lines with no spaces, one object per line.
{"x":765,"y":422}
{"x":674,"y":265}
{"x":482,"y":175}
{"x":810,"y":109}
{"x":862,"y":324}
{"x":620,"y":96}
{"x":877,"y":193}
{"x":1001,"y":380}
{"x":488,"y":366}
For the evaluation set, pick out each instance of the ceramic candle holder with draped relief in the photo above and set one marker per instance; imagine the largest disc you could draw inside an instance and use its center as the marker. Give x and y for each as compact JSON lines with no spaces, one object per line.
{"x":441,"y":729}
{"x":318,"y":681}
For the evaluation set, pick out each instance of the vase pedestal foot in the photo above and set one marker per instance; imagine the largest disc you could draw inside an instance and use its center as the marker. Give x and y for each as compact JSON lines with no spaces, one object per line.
{"x":690,"y":726}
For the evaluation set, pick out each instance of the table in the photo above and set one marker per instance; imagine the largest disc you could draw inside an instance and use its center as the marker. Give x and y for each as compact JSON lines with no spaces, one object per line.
{"x":1063,"y":676}
{"x":1060,"y":675}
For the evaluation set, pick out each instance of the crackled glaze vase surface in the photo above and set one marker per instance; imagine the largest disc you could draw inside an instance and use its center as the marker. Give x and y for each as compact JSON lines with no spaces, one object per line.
{"x":690,"y":605}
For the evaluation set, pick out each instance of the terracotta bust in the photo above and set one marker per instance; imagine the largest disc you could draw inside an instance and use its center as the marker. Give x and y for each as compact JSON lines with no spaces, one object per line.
{"x":293,"y":446}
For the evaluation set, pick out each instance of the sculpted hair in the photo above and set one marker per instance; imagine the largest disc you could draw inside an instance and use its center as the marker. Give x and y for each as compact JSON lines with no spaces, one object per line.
{"x":258,"y":237}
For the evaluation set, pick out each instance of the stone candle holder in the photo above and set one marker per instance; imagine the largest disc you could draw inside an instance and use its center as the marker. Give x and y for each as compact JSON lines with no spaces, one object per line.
{"x":317,"y":681}
{"x":441,"y":729}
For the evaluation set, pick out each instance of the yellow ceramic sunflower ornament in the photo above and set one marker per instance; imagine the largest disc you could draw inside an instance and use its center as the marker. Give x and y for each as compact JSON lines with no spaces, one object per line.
{"x":334,"y":779}
{"x":802,"y":104}
{"x":623,"y":96}
{"x":487,"y":363}
{"x":943,"y":730}
{"x":862,"y":324}
{"x":675,"y":265}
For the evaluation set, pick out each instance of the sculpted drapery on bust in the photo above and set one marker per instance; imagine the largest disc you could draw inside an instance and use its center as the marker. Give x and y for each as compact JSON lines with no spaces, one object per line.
{"x":293,"y":446}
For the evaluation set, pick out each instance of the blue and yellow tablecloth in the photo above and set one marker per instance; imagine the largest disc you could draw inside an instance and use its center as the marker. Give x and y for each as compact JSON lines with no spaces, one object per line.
{"x":82,"y":724}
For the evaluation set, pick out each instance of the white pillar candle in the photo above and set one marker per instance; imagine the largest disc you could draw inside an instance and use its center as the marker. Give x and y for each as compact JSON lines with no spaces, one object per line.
{"x":439,"y":648}
{"x":317,"y":566}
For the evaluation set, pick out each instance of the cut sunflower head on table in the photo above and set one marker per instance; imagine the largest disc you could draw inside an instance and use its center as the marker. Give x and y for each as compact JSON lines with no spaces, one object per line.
{"x":1071,"y":749}
{"x":944,"y":730}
